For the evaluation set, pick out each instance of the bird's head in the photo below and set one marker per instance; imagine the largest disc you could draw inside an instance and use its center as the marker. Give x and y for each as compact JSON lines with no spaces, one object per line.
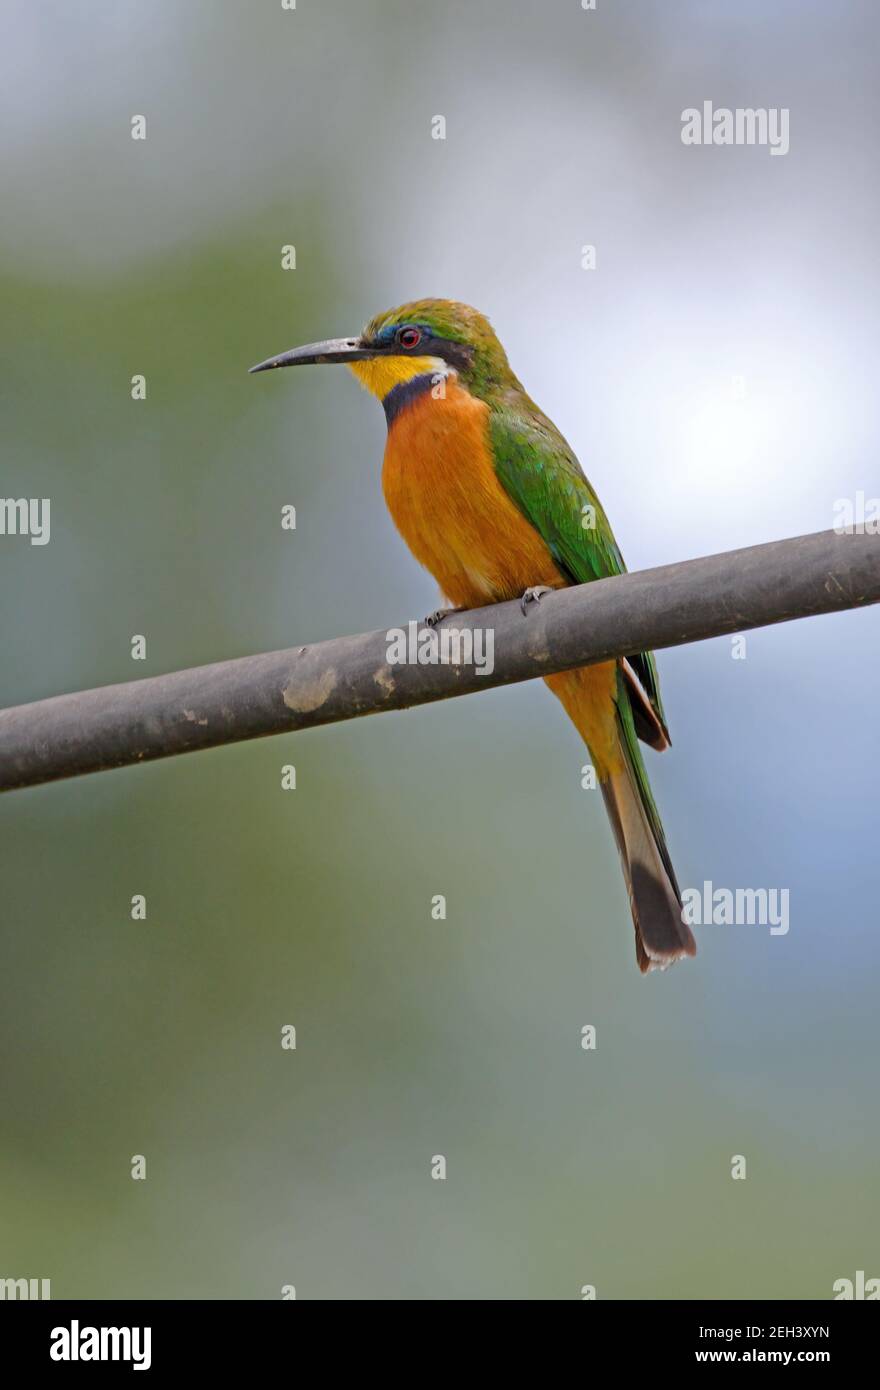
{"x":426,"y":337}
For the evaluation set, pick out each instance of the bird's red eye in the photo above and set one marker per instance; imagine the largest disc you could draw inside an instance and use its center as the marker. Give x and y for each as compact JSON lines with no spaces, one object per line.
{"x":409,"y":337}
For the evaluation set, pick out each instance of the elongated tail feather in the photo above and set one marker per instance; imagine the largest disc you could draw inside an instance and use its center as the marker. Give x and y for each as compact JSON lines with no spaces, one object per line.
{"x":661,"y":935}
{"x":655,"y":898}
{"x":597,"y":699}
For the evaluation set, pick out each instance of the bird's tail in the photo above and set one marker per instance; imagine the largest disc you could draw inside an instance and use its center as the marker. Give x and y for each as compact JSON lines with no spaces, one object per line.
{"x":655,"y":898}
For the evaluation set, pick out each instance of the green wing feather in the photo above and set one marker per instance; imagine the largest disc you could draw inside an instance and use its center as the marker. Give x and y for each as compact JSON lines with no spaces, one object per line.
{"x":543,"y":477}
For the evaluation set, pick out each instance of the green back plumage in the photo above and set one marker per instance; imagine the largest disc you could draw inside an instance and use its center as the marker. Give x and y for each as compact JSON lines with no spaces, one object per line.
{"x":543,"y":477}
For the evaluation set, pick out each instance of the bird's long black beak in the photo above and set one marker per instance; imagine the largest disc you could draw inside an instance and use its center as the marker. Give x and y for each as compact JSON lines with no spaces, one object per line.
{"x":333,"y":350}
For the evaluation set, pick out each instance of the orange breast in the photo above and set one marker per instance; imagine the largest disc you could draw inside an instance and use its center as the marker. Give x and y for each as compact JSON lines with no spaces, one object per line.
{"x":447,"y":503}
{"x":456,"y":518}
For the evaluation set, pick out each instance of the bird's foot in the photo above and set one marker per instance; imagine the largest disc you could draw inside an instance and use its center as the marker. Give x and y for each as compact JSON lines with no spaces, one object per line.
{"x":534,"y":594}
{"x":435,"y":618}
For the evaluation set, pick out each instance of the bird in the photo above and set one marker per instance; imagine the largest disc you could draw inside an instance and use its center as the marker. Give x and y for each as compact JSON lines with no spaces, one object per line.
{"x":492,"y":500}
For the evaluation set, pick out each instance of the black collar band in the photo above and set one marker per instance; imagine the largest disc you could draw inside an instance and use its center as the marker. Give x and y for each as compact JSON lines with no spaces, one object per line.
{"x":399,"y":397}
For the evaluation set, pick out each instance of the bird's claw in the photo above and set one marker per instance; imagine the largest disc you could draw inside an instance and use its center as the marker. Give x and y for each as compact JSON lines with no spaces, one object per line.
{"x":433,"y":619}
{"x":534,"y":594}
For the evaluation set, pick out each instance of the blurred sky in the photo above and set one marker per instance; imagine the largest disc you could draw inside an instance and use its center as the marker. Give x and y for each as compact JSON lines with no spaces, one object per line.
{"x":313,"y":127}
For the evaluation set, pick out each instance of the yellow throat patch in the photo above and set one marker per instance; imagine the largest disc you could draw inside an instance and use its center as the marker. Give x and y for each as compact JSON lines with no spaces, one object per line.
{"x":381,"y":374}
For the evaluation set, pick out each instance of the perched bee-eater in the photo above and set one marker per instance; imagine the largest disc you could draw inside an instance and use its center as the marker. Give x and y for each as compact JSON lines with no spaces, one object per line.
{"x":492,"y":500}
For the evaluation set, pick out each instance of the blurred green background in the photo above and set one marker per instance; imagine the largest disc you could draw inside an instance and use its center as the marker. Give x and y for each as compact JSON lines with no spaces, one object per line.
{"x":264,"y":908}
